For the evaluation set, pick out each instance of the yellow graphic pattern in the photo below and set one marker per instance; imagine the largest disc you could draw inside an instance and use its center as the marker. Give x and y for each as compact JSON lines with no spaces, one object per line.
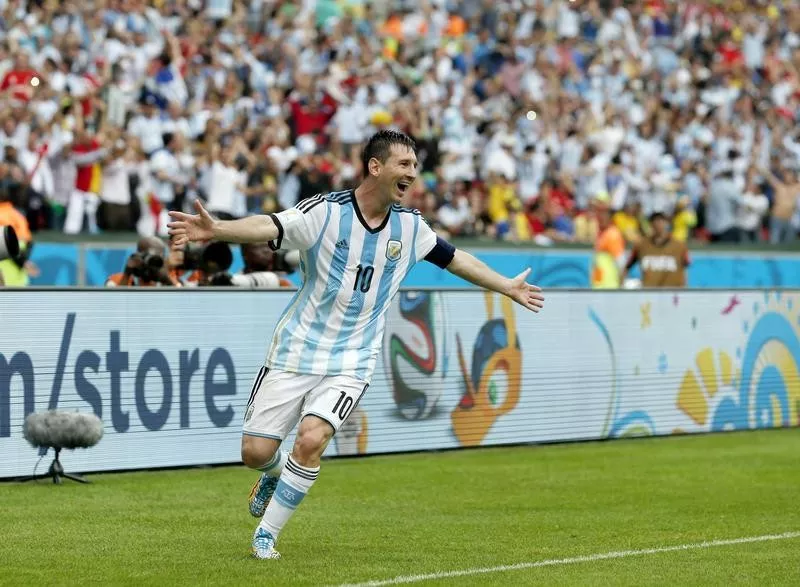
{"x":697,"y":389}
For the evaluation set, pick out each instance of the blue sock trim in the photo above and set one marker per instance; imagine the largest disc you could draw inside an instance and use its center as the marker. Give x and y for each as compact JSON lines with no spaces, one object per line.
{"x":288,"y":496}
{"x":276,"y":458}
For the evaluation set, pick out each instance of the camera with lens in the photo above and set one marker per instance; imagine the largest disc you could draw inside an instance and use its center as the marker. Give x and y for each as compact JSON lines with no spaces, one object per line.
{"x":147,"y":266}
{"x":212,"y":260}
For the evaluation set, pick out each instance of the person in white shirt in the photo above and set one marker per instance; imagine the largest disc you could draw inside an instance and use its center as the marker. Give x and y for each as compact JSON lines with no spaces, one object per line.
{"x":148,"y":126}
{"x":360,"y":244}
{"x":33,"y":160}
{"x":455,"y":215}
{"x":501,"y":160}
{"x":115,"y":194}
{"x":41,"y":187}
{"x":224,"y":182}
{"x":167,"y":175}
{"x":351,"y":121}
{"x":571,"y":153}
{"x":753,"y":207}
{"x":531,"y":170}
{"x":592,"y":176}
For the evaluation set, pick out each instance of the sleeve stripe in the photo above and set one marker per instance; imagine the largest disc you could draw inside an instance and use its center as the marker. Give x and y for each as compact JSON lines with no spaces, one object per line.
{"x":276,"y":244}
{"x":304,"y":205}
{"x":310,"y":207}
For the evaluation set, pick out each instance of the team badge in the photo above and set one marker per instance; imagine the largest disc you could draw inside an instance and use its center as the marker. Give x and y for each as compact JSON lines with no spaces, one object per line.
{"x":393,"y":250}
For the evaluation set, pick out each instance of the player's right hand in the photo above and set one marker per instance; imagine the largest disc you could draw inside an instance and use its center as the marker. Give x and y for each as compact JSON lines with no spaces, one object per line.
{"x":186,"y":228}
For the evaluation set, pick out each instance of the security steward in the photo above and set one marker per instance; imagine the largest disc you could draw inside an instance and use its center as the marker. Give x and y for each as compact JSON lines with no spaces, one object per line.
{"x":663,"y":260}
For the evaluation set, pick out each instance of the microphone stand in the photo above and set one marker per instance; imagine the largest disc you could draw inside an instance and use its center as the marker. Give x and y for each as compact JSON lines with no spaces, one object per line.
{"x":56,"y":472}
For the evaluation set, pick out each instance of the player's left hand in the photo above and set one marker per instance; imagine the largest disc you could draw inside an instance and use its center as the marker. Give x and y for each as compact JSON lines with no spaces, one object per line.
{"x":525,"y":293}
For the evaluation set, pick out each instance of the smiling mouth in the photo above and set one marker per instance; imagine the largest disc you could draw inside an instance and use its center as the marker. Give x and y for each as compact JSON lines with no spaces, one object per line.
{"x":403,"y":186}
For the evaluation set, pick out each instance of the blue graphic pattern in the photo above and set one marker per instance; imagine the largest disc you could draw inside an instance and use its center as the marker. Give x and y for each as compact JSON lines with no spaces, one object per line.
{"x":771,"y":385}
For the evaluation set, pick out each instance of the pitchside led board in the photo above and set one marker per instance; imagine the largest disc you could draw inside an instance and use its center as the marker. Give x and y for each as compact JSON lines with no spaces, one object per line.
{"x":170,"y":372}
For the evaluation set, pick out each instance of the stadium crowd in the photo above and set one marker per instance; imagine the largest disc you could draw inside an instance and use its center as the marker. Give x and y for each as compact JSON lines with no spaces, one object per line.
{"x":535,"y":119}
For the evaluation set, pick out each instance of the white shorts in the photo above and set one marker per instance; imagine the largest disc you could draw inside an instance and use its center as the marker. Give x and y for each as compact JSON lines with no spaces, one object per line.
{"x":279,"y":400}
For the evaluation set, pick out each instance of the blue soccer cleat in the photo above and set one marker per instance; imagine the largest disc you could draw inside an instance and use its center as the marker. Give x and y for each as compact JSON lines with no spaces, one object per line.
{"x":264,"y":545}
{"x":261,"y":494}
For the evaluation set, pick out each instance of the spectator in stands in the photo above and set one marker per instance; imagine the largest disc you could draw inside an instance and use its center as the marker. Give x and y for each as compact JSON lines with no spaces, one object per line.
{"x":784,"y":206}
{"x":455,"y":215}
{"x":20,"y":83}
{"x":86,"y":153}
{"x":724,"y":199}
{"x":169,"y":179}
{"x":684,"y":220}
{"x":225,"y":181}
{"x":752,"y":211}
{"x":637,"y":100}
{"x":116,"y":208}
{"x":39,"y":178}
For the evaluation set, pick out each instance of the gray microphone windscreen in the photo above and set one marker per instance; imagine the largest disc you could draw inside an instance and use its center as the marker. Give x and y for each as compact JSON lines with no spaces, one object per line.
{"x":62,"y":429}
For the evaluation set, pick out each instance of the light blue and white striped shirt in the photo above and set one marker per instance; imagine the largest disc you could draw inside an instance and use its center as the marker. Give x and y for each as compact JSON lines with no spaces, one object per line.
{"x":334,"y":324}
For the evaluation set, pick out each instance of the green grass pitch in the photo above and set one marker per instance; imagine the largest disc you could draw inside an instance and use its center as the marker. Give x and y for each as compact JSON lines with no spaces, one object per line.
{"x":385,"y":517}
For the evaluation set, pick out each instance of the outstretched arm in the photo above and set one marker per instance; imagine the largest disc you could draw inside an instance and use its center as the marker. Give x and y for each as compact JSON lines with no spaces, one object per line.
{"x":186,"y":228}
{"x":475,"y":271}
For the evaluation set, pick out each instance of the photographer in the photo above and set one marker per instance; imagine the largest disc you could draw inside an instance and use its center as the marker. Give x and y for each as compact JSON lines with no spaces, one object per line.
{"x":145,"y":267}
{"x":265,"y":268}
{"x":208,"y":265}
{"x":204,"y":265}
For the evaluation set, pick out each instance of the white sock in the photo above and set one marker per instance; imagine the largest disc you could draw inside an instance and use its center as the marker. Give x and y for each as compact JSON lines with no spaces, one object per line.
{"x":274,"y":467}
{"x":294,"y":483}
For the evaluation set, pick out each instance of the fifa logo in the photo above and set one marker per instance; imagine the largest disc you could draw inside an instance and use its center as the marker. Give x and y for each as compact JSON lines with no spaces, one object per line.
{"x":659,"y":263}
{"x":288,"y":494}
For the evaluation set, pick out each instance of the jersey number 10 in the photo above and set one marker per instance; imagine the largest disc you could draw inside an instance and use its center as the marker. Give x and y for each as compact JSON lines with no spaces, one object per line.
{"x":363,"y":278}
{"x":344,"y":405}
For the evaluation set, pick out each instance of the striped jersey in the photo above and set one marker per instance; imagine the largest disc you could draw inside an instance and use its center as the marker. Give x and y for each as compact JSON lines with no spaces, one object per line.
{"x":334,"y":324}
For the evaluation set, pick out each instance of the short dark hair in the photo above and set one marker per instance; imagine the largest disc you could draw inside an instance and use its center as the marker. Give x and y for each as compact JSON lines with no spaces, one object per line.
{"x":658,"y":214}
{"x":380,"y":144}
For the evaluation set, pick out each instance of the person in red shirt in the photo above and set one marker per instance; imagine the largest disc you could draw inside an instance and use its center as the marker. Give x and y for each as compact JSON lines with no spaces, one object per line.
{"x":730,"y":53}
{"x":558,"y":195}
{"x":311,"y":113}
{"x":21,"y":82}
{"x":84,"y":200}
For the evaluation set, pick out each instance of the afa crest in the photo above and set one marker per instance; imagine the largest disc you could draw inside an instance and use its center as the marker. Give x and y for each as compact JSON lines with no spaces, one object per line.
{"x":393,"y":250}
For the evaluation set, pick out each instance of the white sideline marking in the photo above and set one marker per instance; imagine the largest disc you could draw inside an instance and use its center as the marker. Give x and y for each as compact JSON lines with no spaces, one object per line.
{"x":574,"y":560}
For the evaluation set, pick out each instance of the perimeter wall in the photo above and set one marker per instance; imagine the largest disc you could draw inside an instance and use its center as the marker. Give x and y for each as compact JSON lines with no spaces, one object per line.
{"x":170,"y":372}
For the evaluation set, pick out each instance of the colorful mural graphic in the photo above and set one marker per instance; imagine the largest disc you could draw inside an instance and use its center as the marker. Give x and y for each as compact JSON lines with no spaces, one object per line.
{"x":754,"y":385}
{"x":415,"y":349}
{"x":769,"y":386}
{"x":492,"y":385}
{"x":619,"y":424}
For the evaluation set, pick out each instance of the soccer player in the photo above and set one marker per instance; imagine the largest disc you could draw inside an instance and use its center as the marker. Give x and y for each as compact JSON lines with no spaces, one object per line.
{"x":356,"y":248}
